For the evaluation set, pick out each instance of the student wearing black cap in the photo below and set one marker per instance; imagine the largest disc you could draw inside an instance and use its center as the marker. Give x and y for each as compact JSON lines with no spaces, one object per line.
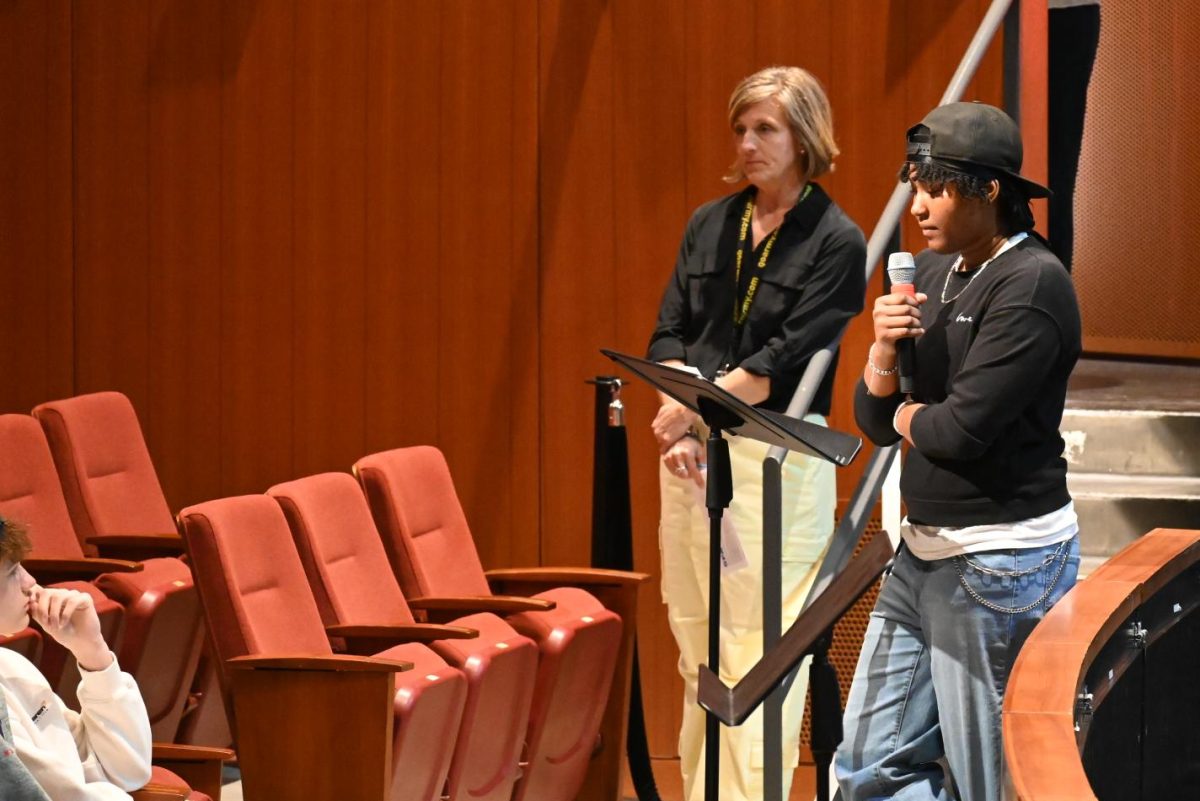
{"x":991,"y":538}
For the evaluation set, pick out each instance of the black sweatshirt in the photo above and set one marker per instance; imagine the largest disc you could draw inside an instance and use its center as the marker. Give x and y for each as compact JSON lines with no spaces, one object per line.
{"x":812,"y":285}
{"x":993,"y":367}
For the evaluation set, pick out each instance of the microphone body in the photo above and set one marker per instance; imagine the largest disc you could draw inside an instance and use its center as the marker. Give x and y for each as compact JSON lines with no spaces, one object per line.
{"x":901,"y":269}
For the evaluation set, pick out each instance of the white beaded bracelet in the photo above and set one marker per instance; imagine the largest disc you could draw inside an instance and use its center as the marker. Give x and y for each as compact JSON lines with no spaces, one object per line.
{"x":896,"y":415}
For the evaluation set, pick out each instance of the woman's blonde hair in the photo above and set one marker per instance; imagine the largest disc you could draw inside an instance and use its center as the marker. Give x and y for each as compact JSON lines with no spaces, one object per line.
{"x":806,"y":108}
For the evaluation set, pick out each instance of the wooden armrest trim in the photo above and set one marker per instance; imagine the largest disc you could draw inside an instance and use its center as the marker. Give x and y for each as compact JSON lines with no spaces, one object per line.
{"x":156,"y":792}
{"x":190,"y":753}
{"x":164,"y":539}
{"x":80,"y":568}
{"x":497,"y":604}
{"x":567,"y":575}
{"x":413,"y":632}
{"x":332,"y":663}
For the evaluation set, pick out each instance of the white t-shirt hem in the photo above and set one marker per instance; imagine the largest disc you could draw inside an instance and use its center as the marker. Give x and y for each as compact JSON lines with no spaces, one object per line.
{"x":942,"y":542}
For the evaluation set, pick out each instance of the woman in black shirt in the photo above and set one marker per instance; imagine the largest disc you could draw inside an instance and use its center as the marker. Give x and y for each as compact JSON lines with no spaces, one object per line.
{"x":765,"y":278}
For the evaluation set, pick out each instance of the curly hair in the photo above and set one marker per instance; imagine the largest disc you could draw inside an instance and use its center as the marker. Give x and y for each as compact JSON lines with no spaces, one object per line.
{"x":14,"y":541}
{"x":1012,"y":204}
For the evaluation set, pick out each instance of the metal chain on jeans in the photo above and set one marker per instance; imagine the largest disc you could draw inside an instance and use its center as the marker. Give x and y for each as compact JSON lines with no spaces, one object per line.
{"x":995,"y":607}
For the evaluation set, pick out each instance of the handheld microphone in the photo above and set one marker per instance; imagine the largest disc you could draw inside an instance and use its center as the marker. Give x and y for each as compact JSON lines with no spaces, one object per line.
{"x":901,"y":270}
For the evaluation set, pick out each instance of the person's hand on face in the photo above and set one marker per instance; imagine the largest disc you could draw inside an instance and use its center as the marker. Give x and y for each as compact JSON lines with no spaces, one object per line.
{"x":69,"y":616}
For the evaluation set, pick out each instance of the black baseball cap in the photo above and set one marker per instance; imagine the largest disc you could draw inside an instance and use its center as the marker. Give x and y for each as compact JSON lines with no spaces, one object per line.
{"x":974,"y":138}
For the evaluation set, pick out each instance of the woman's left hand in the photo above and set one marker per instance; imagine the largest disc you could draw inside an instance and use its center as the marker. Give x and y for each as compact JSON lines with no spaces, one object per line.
{"x":672,"y":422}
{"x":685,"y":459}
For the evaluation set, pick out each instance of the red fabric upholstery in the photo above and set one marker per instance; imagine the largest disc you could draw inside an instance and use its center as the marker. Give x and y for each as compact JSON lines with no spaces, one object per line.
{"x":579,"y":640}
{"x":27,"y":642}
{"x":257,"y":601}
{"x":111,"y":487}
{"x":346,"y":566}
{"x":29,"y":489}
{"x":29,"y":494}
{"x":165,"y":784}
{"x":107,"y":476}
{"x":341,"y":551}
{"x":160,"y":640}
{"x":424,"y":529}
{"x":412,"y":499}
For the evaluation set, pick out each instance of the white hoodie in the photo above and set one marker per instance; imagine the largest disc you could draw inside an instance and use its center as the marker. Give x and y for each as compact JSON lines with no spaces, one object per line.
{"x":96,"y":755}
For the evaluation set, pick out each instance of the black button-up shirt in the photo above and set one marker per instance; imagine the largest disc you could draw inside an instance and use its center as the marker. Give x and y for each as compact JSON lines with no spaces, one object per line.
{"x":813,"y":283}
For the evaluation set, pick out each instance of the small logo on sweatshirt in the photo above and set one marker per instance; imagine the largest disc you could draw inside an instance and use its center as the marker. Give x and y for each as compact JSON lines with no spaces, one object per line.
{"x":964,"y":319}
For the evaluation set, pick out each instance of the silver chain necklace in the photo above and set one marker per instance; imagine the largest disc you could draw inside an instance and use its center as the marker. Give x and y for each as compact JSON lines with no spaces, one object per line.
{"x":1011,"y":242}
{"x":971,"y":280}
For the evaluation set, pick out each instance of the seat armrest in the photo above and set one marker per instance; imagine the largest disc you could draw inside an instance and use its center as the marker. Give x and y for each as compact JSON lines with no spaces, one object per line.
{"x":563,"y":576}
{"x":367,"y":640}
{"x":138,"y":546}
{"x":332,"y":663}
{"x":153,"y":792}
{"x":198,"y":765}
{"x":51,"y":571}
{"x":471,"y":604}
{"x":172,"y":752}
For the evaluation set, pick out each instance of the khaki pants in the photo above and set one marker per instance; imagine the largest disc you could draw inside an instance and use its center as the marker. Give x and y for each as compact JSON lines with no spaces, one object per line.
{"x":809,"y":498}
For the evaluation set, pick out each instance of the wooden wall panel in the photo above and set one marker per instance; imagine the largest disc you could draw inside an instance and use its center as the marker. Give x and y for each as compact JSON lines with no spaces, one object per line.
{"x":650,"y":131}
{"x":329,"y":216}
{"x":577,"y":197}
{"x":111,"y":106}
{"x":937,"y":33}
{"x":36,"y":314}
{"x":256,"y":385}
{"x":403,"y":252}
{"x":183,"y":232}
{"x":488,"y":406}
{"x":720,"y":52}
{"x":869,"y":118}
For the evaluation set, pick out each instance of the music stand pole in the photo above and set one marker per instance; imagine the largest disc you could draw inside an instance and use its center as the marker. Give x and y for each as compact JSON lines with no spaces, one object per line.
{"x":723,"y":412}
{"x":718,"y":495}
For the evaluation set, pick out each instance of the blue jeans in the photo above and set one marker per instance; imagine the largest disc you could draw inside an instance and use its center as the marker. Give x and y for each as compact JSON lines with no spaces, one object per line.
{"x":935,"y":660}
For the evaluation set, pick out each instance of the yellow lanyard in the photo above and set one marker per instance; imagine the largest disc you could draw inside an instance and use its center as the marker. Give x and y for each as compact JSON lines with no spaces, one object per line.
{"x":740,"y":314}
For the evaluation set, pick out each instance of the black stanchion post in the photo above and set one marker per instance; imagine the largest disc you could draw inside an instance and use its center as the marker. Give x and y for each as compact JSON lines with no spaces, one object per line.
{"x":612,"y":548}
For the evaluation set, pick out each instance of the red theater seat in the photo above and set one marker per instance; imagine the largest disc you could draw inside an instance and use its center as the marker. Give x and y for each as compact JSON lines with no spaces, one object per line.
{"x":258,"y":604}
{"x":355,"y":589}
{"x":425,"y":534}
{"x":148,"y":610}
{"x":112,"y":491}
{"x":119,"y":510}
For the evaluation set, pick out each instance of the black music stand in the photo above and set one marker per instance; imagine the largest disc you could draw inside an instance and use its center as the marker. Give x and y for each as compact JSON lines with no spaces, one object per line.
{"x":723,"y":412}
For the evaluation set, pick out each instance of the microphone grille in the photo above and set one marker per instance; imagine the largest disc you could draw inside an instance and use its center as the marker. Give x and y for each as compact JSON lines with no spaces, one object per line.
{"x":901,"y":268}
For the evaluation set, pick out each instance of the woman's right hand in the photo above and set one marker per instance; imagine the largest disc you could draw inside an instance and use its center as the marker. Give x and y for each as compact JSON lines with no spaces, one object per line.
{"x":672,"y":422}
{"x":684,"y":459}
{"x":896,"y":316}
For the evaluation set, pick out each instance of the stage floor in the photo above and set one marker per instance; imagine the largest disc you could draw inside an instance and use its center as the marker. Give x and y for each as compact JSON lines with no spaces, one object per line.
{"x":1118,"y":385}
{"x":670,"y":784}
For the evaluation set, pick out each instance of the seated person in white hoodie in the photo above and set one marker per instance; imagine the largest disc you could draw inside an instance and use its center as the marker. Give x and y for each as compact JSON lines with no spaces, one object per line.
{"x":94,"y":755}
